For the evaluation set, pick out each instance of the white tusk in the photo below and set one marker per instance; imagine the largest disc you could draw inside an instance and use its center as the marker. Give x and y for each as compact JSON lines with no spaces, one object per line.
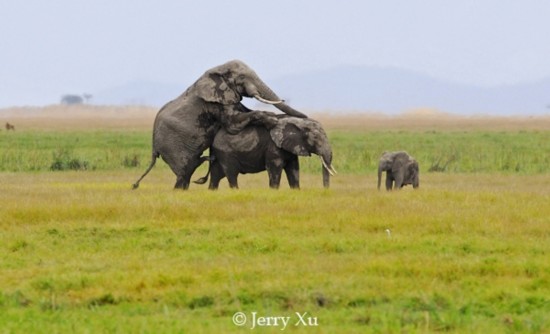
{"x":333,"y":170}
{"x":261,"y":99}
{"x":329,"y":169}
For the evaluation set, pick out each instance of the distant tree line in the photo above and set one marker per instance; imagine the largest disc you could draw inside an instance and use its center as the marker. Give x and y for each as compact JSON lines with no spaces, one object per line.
{"x":71,"y":99}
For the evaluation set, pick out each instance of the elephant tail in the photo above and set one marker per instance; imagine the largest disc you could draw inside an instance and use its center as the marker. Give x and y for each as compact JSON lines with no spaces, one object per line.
{"x":203,"y":179}
{"x":151,"y":165}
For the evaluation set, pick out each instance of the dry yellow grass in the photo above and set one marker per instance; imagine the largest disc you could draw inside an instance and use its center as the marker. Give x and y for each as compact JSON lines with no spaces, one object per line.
{"x":58,"y":117}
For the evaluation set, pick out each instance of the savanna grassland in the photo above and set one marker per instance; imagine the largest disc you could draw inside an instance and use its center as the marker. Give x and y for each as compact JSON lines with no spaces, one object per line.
{"x":466,"y":253}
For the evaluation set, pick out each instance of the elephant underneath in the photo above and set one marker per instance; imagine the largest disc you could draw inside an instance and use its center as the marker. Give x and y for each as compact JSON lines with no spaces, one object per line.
{"x":257,"y":148}
{"x":401,"y":169}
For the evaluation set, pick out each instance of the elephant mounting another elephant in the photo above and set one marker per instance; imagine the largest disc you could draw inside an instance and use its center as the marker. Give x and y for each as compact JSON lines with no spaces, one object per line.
{"x":186,"y":126}
{"x":257,"y":148}
{"x":401,"y":169}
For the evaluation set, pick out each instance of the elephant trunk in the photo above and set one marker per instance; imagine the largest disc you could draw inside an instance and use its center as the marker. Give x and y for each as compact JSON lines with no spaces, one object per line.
{"x":266,"y":95}
{"x":328,"y":169}
{"x":326,"y":178}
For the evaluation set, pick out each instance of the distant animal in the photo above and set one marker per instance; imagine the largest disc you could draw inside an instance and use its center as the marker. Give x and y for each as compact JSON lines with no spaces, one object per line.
{"x":10,"y":127}
{"x":186,"y":126}
{"x":401,"y":169}
{"x":256,"y":148}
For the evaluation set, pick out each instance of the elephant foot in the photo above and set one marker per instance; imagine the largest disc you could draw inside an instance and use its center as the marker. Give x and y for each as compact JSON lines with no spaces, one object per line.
{"x":182,"y":184}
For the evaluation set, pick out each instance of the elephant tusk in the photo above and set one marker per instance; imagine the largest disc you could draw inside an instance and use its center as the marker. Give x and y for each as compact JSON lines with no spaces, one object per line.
{"x":329,"y":169}
{"x":261,"y":99}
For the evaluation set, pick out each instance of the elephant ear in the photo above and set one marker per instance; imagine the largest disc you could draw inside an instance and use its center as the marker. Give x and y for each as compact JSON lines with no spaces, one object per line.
{"x":215,"y":86}
{"x":290,"y":138}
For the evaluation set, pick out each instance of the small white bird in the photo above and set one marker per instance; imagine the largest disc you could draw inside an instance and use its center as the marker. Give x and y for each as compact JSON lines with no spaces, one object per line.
{"x":388,"y":232}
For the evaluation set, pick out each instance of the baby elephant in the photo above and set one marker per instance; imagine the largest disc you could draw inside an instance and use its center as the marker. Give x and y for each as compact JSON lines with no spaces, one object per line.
{"x":257,"y":148}
{"x":401,"y":169}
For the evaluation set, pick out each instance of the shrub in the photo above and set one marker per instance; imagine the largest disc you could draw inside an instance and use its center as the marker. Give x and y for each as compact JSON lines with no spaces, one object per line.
{"x":131,"y":161}
{"x":63,"y":160}
{"x":204,"y":301}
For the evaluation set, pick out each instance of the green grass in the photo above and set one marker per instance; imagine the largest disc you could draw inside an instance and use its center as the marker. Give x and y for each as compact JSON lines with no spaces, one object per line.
{"x":524,"y":152}
{"x":101,"y":150}
{"x":466,"y":253}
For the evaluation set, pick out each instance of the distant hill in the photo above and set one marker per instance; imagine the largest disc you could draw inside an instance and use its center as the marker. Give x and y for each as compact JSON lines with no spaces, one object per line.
{"x":350,"y":88}
{"x":392,"y":90}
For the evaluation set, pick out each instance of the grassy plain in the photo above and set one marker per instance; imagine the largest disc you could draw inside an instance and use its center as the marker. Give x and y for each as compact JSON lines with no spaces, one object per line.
{"x":466,"y":253}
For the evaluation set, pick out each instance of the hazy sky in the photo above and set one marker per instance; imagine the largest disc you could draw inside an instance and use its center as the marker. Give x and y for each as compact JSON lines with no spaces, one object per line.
{"x":53,"y":47}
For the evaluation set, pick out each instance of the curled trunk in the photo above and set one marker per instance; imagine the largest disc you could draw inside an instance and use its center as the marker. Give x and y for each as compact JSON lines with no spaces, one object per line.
{"x":267,"y":94}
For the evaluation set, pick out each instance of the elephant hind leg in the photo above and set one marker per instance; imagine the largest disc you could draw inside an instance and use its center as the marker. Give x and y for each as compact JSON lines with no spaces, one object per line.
{"x":182,"y":182}
{"x":184,"y":170}
{"x":216,"y":175}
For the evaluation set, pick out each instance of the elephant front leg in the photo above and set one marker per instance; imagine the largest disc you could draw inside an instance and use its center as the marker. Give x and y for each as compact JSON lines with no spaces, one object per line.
{"x":231,"y":171}
{"x":274,"y":170}
{"x":292,"y":171}
{"x":389,"y":181}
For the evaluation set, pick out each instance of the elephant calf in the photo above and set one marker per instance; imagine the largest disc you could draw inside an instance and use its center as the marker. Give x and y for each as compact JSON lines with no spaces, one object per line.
{"x":257,"y":148}
{"x":401,"y":169}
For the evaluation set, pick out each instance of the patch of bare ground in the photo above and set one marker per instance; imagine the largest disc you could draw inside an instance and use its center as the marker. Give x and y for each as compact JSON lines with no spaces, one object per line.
{"x":60,"y":117}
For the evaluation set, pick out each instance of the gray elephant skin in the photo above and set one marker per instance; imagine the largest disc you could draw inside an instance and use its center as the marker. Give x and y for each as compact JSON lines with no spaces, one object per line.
{"x":186,"y":126}
{"x":401,"y":169}
{"x":257,"y":148}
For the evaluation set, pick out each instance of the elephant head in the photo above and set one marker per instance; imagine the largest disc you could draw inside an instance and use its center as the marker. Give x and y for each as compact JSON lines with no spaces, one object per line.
{"x":304,"y":137}
{"x":228,"y":83}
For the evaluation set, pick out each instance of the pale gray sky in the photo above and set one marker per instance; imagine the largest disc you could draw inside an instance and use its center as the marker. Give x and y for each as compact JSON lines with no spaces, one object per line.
{"x":61,"y":46}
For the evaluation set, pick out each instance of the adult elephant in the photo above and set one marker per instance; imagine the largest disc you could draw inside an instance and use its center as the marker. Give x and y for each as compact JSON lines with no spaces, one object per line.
{"x":186,"y":126}
{"x":401,"y":169}
{"x":257,"y":148}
